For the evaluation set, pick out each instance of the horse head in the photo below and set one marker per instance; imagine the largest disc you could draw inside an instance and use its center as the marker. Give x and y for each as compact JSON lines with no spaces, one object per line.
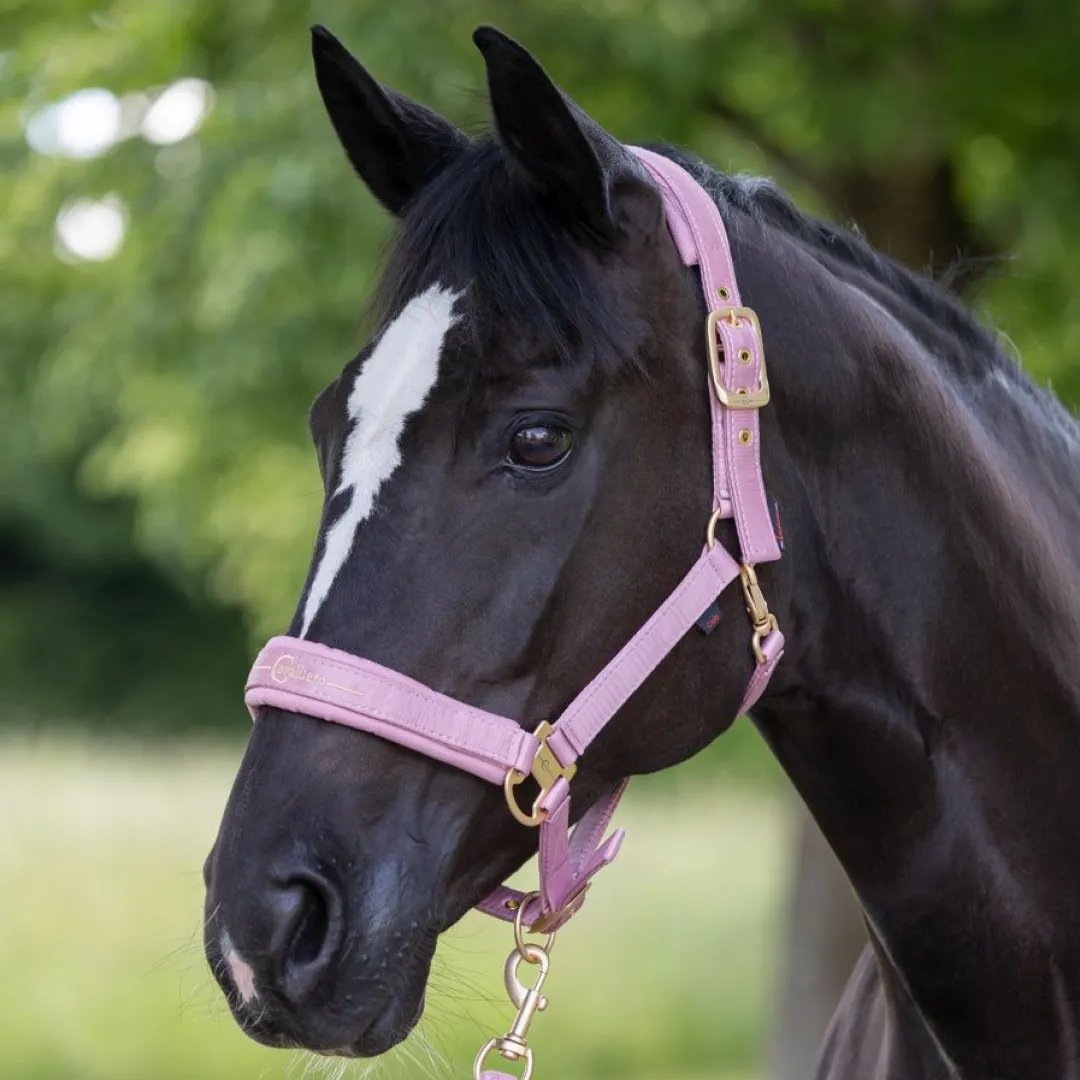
{"x":517,"y":471}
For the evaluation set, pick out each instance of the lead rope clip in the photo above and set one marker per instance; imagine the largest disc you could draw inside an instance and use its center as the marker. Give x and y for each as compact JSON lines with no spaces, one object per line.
{"x":528,"y":1000}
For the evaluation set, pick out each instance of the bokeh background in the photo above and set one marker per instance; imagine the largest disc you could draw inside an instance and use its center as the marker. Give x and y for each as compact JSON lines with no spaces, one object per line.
{"x":184,"y":261}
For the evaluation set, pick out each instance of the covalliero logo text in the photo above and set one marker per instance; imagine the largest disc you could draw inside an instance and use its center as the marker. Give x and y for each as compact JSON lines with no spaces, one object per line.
{"x":287,"y":669}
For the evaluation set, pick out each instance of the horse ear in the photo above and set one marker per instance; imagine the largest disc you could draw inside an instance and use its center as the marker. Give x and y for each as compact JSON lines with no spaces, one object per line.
{"x":395,"y":145}
{"x":561,"y":148}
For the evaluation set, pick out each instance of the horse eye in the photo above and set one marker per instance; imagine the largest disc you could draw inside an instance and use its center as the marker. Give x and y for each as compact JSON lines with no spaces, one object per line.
{"x":540,"y":446}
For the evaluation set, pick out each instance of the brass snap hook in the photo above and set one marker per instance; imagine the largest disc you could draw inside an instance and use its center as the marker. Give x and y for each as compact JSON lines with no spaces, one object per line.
{"x":762,"y":621}
{"x":528,"y":1000}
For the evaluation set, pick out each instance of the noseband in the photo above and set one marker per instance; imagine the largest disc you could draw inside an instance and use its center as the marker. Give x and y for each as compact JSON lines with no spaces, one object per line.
{"x":306,"y":677}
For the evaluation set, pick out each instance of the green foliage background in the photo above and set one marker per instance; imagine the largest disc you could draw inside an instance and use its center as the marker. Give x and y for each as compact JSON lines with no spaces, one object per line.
{"x":158,"y":494}
{"x":157,"y":490}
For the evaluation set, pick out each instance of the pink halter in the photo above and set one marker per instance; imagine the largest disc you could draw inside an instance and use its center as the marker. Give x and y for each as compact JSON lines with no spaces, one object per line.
{"x":305,"y":677}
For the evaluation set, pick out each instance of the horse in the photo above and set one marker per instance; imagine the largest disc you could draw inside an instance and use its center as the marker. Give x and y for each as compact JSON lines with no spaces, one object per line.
{"x":517,"y":472}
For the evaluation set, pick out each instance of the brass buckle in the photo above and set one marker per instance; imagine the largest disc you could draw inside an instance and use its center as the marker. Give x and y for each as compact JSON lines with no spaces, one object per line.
{"x":546,"y":769}
{"x":761,"y":619}
{"x":741,"y":398}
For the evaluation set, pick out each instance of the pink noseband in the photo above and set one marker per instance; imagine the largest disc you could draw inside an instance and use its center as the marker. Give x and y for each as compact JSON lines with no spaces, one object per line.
{"x":305,"y":677}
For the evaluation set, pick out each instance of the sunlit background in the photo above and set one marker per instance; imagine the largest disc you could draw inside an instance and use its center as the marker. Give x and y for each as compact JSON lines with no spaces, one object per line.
{"x":89,"y":123}
{"x":185,"y":259}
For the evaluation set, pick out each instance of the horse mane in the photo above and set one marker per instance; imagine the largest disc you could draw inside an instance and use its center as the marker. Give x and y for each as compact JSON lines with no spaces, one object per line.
{"x":839,"y":247}
{"x":936,"y":317}
{"x":483,"y":228}
{"x":481,"y":223}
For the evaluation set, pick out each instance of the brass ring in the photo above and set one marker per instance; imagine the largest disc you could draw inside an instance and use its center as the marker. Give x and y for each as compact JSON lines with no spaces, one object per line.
{"x":478,"y":1064}
{"x":520,"y":943}
{"x":759,"y":635}
{"x":511,"y":781}
{"x":710,"y":530}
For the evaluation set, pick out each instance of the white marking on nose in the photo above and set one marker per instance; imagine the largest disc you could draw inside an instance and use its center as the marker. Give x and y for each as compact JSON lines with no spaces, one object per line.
{"x":241,"y":970}
{"x":393,"y":383}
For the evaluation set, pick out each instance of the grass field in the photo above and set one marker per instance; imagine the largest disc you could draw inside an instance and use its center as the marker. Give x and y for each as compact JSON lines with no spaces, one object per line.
{"x":665,"y":976}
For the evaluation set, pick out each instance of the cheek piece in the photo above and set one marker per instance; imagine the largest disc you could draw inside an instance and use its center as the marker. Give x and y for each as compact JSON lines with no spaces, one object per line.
{"x":305,"y":677}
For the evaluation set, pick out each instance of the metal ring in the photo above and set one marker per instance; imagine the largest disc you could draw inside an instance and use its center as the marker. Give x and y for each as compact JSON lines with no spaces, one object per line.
{"x":520,"y":943}
{"x":532,"y":954}
{"x":478,"y":1064}
{"x":511,"y":781}
{"x":759,"y":635}
{"x":710,"y":529}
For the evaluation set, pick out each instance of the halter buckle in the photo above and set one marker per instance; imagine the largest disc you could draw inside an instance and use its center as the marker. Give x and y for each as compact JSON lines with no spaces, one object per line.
{"x":762,"y":620}
{"x":546,"y":769}
{"x":741,"y":398}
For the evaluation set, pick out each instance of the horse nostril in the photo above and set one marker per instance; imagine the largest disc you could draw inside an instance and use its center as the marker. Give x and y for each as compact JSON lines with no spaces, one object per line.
{"x":307,"y":916}
{"x":310,"y":935}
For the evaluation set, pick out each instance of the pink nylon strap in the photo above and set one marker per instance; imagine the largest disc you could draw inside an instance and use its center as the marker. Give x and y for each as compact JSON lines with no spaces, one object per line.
{"x":313,"y":679}
{"x":565,"y":870}
{"x":591,"y":710}
{"x":306,"y":677}
{"x":773,"y":648}
{"x":701,"y":238}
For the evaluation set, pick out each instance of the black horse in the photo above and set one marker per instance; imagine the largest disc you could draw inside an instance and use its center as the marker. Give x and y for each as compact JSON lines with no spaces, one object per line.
{"x":517,"y":472}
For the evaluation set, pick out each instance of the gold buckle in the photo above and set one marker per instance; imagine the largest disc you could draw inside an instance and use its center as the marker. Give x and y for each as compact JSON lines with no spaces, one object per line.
{"x":741,"y":398}
{"x":761,"y":619}
{"x":546,"y":769}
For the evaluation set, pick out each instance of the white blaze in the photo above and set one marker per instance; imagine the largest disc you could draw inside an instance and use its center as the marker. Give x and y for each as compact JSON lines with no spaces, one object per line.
{"x":393,"y":384}
{"x":241,"y":970}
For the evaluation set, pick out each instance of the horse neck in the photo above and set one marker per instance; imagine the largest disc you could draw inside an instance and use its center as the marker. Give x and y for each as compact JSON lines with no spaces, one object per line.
{"x":930,"y":716}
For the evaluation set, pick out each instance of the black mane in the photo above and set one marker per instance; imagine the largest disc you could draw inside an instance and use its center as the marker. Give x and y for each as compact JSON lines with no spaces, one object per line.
{"x":482,"y":227}
{"x":840,"y":248}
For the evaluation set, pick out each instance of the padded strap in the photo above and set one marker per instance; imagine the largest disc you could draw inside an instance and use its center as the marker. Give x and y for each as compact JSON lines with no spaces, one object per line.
{"x":316,"y":680}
